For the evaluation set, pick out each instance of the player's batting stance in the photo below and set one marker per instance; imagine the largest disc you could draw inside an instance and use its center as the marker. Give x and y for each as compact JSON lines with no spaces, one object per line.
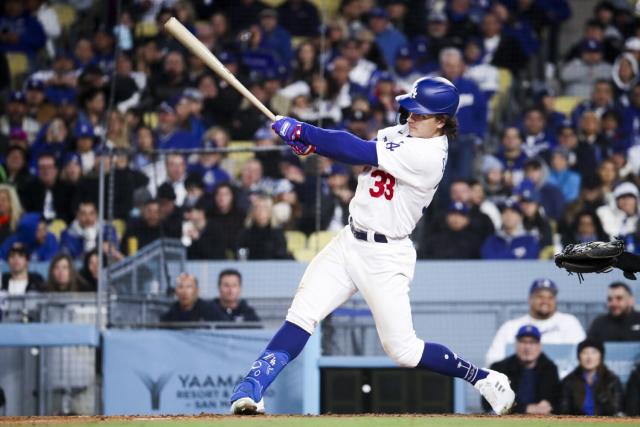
{"x":373,"y":254}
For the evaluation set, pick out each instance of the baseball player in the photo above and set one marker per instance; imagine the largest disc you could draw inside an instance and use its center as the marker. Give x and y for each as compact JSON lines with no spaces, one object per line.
{"x":373,"y":255}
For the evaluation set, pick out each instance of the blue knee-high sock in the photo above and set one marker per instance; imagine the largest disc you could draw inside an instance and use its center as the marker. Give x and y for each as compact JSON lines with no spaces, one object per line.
{"x":285,"y":346}
{"x":440,"y":359}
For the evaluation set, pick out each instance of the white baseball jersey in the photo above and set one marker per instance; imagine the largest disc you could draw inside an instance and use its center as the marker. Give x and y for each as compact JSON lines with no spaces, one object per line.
{"x":389,"y":199}
{"x":561,"y":328}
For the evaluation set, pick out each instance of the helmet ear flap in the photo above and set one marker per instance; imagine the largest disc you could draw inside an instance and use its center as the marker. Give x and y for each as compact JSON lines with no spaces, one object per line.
{"x":403,"y":115}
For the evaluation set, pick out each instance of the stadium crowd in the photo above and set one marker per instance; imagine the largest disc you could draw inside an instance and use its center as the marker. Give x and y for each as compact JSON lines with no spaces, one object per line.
{"x":522,"y":177}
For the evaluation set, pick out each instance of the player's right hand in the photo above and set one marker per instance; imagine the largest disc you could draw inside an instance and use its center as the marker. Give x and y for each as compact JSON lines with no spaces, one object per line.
{"x":287,"y":128}
{"x":300,"y":148}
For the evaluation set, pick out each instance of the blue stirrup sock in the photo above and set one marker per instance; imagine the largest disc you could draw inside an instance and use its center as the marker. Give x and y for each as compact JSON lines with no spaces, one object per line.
{"x":285,"y":346}
{"x":440,"y":359}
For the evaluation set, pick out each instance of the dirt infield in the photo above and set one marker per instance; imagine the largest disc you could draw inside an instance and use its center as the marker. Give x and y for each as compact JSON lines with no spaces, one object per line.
{"x":369,"y":420}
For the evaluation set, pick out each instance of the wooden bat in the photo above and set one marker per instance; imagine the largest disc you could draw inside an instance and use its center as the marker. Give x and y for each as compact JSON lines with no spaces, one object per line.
{"x":188,"y":40}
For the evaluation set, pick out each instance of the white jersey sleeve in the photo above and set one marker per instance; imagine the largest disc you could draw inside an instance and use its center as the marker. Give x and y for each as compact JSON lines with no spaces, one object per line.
{"x":390,"y":198}
{"x":418,"y":162}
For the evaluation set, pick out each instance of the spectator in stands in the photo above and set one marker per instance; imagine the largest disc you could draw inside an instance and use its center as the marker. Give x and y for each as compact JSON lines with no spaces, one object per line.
{"x":169,"y":136}
{"x":63,"y":276}
{"x":404,"y":71}
{"x":226,"y":215}
{"x":512,"y":154}
{"x":204,"y":240}
{"x":554,"y":326}
{"x":72,"y":171}
{"x":195,"y":191}
{"x":554,"y":119}
{"x":534,"y":218}
{"x":621,"y":218}
{"x":631,"y":119}
{"x":624,"y":75}
{"x":512,"y":241}
{"x":16,"y":117}
{"x":591,"y":388}
{"x":551,"y":198}
{"x":19,"y":31}
{"x":189,"y":307}
{"x":176,"y":168}
{"x":171,"y":214}
{"x":89,"y":271}
{"x":457,"y":241}
{"x":537,"y":142}
{"x":601,"y":99}
{"x":478,"y":200}
{"x":471,"y":115}
{"x":230,"y":307}
{"x":305,"y":62}
{"x":585,"y":228}
{"x":562,"y":177}
{"x":274,"y":37}
{"x":387,"y":37}
{"x":54,"y":141}
{"x":144,"y":230}
{"x":252,"y":182}
{"x":533,"y":376}
{"x":47,"y":194}
{"x":19,"y":280}
{"x":170,"y":81}
{"x":594,"y":30}
{"x":85,"y":146}
{"x":632,"y":393}
{"x":335,"y":206}
{"x":259,"y":240}
{"x":493,"y":179}
{"x":591,"y":149}
{"x":501,"y":49}
{"x":427,"y":47}
{"x":580,"y":74}
{"x":299,"y":17}
{"x":81,"y":236}
{"x":15,"y":165}
{"x":622,"y":322}
{"x":10,"y":211}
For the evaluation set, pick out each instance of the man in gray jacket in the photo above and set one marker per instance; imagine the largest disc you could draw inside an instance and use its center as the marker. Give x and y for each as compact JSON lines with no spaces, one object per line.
{"x":579,"y":74}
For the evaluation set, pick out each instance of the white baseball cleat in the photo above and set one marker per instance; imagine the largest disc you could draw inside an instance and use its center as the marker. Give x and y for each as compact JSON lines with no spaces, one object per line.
{"x":247,"y":406}
{"x":496,"y":389}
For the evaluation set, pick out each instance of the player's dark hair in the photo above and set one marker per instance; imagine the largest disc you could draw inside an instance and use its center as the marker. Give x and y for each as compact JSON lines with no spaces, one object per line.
{"x":450,"y":127}
{"x":229,"y":272}
{"x":618,"y":285}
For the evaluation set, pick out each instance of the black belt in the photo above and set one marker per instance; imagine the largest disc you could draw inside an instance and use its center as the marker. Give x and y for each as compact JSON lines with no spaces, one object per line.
{"x":362,"y":235}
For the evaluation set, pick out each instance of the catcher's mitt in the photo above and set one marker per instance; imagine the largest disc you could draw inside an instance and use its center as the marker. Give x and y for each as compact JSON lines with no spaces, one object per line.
{"x":592,"y":257}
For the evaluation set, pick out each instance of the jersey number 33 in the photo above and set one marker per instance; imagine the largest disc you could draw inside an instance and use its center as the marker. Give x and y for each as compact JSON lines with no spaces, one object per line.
{"x":383,"y":186}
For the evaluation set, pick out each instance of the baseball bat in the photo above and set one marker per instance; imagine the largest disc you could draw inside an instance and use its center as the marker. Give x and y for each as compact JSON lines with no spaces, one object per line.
{"x":191,"y":42}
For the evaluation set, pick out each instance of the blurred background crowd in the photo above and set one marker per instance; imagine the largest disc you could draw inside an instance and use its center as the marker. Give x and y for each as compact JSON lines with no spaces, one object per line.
{"x":548,"y":151}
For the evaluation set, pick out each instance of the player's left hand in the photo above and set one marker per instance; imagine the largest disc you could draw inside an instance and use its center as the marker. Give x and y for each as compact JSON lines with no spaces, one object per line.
{"x":300,"y":148}
{"x":287,"y":128}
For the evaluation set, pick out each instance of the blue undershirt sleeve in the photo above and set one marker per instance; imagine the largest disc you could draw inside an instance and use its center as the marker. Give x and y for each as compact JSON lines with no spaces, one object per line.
{"x":341,"y":146}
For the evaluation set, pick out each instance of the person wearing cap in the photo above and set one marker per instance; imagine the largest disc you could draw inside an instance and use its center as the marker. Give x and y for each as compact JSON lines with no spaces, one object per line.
{"x":186,"y":120}
{"x":427,"y":47}
{"x":533,"y":376}
{"x":621,"y":218}
{"x":85,"y":142}
{"x":622,"y":321}
{"x":19,"y":280}
{"x":472,"y":115}
{"x":534,"y":218}
{"x":274,"y":37}
{"x":555,"y":327}
{"x":591,"y":388}
{"x":168,"y":132}
{"x":387,"y":37}
{"x":581,"y":73}
{"x":16,"y":117}
{"x":594,"y":30}
{"x":511,"y":241}
{"x":38,"y":107}
{"x":551,"y":198}
{"x":457,"y":241}
{"x":562,"y":177}
{"x":404,"y":72}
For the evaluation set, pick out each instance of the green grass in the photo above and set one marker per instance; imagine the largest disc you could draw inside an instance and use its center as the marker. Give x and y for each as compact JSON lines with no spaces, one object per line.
{"x":330,"y":421}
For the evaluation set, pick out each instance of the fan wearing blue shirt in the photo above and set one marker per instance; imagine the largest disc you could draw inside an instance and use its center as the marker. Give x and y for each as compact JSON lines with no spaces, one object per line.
{"x":169,"y":137}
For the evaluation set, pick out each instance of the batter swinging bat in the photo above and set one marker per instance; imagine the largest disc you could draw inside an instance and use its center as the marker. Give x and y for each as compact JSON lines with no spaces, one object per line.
{"x":188,"y":40}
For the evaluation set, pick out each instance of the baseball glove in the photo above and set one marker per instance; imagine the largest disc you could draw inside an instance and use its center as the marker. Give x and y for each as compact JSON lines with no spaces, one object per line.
{"x":591,"y":257}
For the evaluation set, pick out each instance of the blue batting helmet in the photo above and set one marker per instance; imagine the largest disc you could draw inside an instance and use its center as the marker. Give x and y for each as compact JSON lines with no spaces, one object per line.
{"x":431,"y":95}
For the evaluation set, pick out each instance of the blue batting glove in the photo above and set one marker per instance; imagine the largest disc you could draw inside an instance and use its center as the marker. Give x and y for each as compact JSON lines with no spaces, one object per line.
{"x":287,"y":128}
{"x":300,"y":148}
